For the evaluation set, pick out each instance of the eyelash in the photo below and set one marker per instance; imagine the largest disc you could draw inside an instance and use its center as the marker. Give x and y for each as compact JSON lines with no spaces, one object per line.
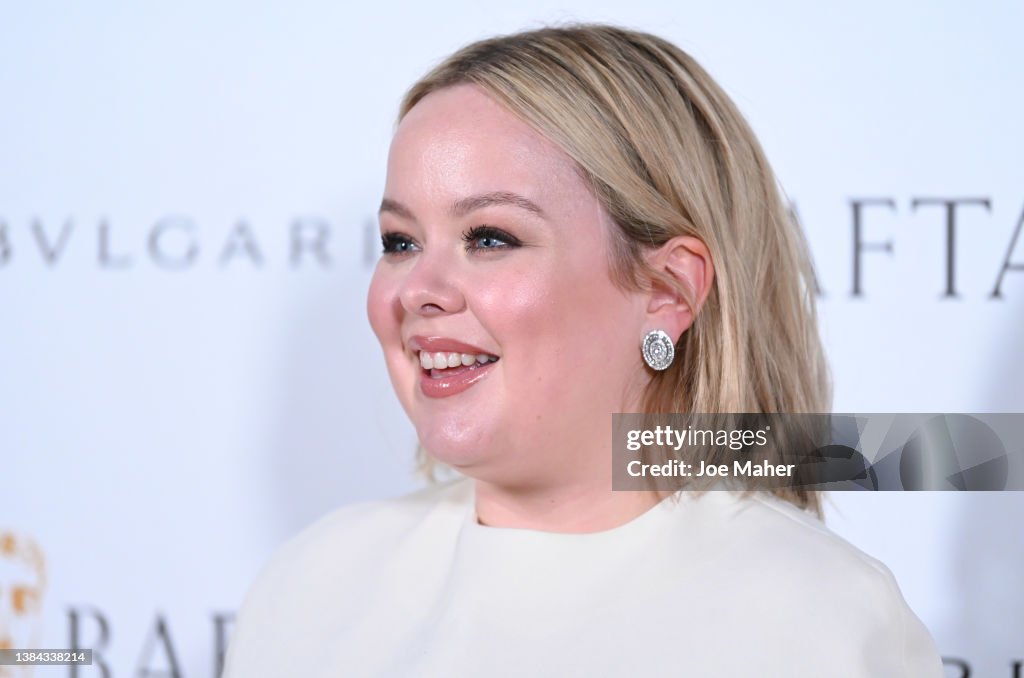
{"x":391,"y":241}
{"x":478,"y":232}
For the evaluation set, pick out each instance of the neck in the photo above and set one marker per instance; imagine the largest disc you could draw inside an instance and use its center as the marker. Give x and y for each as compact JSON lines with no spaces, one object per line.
{"x":563,"y":508}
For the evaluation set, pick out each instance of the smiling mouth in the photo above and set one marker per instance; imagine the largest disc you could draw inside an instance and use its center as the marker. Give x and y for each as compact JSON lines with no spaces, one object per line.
{"x":444,"y":374}
{"x":439,"y":364}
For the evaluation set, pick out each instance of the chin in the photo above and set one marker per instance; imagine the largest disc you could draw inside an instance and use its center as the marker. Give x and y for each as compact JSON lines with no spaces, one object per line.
{"x":455,"y":443}
{"x":481,"y":457}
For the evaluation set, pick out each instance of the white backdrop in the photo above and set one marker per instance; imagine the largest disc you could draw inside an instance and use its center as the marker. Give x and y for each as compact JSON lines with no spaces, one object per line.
{"x":186,"y":373}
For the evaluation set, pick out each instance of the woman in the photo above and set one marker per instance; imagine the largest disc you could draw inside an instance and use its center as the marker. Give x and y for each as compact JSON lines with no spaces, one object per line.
{"x":564,"y":210}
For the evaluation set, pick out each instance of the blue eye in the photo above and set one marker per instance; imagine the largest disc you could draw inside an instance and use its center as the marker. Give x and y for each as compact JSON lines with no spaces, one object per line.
{"x":490,"y":238}
{"x":478,"y":238}
{"x":396,"y":243}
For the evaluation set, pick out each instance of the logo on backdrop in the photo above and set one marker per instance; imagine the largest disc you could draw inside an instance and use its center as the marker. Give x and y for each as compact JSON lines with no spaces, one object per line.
{"x":964,"y":669}
{"x":89,"y":628}
{"x":951,"y":209}
{"x":22,"y":587}
{"x":180,"y":242}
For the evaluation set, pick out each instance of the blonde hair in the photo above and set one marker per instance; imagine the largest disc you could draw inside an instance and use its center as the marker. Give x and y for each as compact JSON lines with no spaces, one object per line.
{"x":667,"y":153}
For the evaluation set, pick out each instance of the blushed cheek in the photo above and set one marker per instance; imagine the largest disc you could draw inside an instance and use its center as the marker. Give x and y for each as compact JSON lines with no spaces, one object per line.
{"x":583,"y":336}
{"x":535,"y":318}
{"x":381,"y":308}
{"x":385,"y":314}
{"x":531,"y":287}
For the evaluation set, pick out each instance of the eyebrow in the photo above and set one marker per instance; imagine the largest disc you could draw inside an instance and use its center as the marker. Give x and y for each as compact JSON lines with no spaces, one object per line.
{"x":464,"y":206}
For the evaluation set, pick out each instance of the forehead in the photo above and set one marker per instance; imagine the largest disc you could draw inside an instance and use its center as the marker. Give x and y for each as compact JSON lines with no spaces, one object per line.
{"x":458,"y":140}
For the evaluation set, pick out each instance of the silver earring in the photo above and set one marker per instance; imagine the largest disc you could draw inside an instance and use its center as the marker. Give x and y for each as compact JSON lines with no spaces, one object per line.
{"x":658,"y":350}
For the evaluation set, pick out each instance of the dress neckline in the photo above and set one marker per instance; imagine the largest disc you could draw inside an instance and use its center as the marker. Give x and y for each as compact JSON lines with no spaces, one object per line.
{"x":642,"y":523}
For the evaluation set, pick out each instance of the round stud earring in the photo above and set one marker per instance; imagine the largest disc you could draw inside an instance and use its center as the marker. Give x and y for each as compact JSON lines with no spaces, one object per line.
{"x":658,"y":350}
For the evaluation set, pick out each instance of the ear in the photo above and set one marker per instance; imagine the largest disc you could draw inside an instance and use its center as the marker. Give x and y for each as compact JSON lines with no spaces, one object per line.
{"x":686,"y":261}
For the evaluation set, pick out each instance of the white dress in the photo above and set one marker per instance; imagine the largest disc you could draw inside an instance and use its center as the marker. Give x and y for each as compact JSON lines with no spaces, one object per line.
{"x":712,"y":586}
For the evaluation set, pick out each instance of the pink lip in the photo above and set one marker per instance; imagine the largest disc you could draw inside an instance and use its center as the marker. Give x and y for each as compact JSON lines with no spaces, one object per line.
{"x":459,"y":378}
{"x":442,"y":345}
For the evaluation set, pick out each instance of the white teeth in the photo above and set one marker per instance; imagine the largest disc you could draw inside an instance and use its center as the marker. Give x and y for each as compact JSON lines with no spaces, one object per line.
{"x":441,"y":361}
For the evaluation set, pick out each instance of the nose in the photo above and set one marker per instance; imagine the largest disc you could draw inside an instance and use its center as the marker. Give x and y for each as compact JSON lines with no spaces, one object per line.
{"x":431,"y":287}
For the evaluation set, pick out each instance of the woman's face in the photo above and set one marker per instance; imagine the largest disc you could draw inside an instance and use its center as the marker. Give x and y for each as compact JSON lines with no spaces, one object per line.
{"x":495,"y":248}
